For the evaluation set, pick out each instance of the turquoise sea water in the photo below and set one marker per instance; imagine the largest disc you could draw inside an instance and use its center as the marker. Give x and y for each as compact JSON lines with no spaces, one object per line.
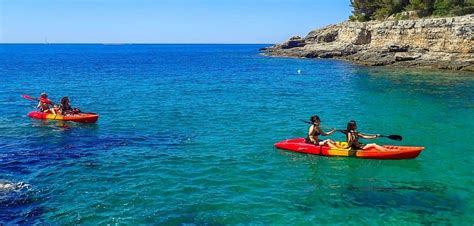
{"x":186,"y":135}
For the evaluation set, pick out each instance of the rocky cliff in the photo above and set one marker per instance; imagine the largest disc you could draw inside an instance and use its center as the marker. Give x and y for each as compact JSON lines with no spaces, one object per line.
{"x":445,"y":43}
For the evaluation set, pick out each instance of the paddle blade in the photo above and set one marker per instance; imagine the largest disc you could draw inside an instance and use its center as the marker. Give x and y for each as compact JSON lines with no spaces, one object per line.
{"x":28,"y":97}
{"x":306,"y":121}
{"x":40,"y":99}
{"x":395,"y":137}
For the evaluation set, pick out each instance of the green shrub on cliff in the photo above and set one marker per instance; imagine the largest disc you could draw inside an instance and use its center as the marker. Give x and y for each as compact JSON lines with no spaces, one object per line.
{"x":365,"y":10}
{"x":453,"y":7}
{"x":387,"y":8}
{"x":462,"y":11}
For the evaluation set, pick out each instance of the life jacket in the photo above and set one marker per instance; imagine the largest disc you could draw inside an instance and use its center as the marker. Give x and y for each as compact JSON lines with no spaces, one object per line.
{"x":45,"y":100}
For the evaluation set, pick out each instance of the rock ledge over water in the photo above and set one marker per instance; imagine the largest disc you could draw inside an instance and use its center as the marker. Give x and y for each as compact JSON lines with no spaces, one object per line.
{"x":443,"y":43}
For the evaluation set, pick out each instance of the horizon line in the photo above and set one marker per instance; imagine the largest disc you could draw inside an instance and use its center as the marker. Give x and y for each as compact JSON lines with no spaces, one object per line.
{"x":132,"y":43}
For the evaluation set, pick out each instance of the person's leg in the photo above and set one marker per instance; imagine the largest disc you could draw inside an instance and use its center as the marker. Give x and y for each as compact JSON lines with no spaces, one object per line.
{"x":332,"y":144}
{"x":380,"y":148}
{"x":376,"y":146}
{"x":329,"y":143}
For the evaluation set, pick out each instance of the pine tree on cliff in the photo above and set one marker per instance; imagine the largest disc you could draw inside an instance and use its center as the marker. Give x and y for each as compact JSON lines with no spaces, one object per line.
{"x":453,"y":7}
{"x":364,"y":10}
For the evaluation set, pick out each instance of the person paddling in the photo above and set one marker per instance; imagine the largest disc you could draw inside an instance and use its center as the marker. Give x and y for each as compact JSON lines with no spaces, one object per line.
{"x":352,"y":137}
{"x":314,"y":132}
{"x":44,"y":103}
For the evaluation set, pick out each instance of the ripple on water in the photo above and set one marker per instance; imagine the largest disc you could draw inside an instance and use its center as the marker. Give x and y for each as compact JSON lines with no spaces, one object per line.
{"x":186,"y":135}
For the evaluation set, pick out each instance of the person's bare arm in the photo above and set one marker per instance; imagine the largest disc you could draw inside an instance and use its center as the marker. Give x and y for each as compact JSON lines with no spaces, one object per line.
{"x":368,"y":136}
{"x":328,"y":133}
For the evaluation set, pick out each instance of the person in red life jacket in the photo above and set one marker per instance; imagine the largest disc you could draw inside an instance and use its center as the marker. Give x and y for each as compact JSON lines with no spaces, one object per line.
{"x":352,"y":136}
{"x":45,"y":103}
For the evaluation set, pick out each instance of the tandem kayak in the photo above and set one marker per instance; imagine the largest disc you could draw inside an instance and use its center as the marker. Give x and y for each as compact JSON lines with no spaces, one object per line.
{"x":80,"y":117}
{"x":391,"y":152}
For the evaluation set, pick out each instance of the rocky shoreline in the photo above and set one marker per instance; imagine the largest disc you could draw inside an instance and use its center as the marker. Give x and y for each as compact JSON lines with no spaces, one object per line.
{"x":442,"y":43}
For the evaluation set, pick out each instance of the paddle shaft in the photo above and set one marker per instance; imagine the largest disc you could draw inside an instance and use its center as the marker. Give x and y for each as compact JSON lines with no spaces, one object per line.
{"x":392,"y":137}
{"x":32,"y":98}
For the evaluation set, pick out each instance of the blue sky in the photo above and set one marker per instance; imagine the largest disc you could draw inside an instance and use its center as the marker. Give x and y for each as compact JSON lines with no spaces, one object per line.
{"x":164,"y":21}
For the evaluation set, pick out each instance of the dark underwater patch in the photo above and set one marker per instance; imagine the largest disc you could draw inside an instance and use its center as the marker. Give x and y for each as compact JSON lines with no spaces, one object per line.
{"x":421,"y":198}
{"x":21,"y":156}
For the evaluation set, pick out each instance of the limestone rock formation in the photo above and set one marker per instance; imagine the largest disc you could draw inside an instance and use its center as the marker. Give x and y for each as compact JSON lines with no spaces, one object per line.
{"x":444,"y":43}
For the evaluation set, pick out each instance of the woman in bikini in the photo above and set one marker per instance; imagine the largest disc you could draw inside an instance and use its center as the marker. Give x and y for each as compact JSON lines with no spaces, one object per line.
{"x":314,"y":132}
{"x":352,"y":137}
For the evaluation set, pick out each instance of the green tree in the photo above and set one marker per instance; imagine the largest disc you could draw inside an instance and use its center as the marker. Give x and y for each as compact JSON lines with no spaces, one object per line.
{"x":453,"y":7}
{"x":424,"y":7}
{"x":364,"y":10}
{"x":384,"y":9}
{"x":399,"y":5}
{"x":416,"y":5}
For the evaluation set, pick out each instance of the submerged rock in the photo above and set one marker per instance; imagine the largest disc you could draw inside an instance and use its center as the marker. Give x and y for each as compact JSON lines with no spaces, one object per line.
{"x":444,"y":43}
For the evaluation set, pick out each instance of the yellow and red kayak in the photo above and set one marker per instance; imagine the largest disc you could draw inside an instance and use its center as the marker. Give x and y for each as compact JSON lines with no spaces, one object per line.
{"x":391,"y":152}
{"x":79,"y":117}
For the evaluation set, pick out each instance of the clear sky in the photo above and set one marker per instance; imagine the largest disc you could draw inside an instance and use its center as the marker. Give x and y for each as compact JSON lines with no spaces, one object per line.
{"x":164,"y":21}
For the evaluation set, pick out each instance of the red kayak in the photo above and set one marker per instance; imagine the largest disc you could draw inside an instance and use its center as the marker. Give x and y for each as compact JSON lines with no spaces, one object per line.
{"x":391,"y":152}
{"x":80,"y":117}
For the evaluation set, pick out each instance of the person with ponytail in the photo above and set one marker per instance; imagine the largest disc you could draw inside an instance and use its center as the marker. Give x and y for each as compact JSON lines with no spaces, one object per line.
{"x":315,"y":131}
{"x":352,"y":137}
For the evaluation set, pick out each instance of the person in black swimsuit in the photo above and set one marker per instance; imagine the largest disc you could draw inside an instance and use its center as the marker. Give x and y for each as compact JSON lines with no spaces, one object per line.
{"x":314,"y":132}
{"x":352,"y":137}
{"x":65,"y":107}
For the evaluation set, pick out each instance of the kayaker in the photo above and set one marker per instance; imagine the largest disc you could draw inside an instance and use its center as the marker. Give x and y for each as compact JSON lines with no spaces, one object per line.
{"x":44,"y":103}
{"x":314,"y":132}
{"x":65,"y":107}
{"x":352,"y":137}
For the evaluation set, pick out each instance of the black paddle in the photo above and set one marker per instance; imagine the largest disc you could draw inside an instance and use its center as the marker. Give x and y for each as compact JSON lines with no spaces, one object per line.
{"x":306,"y":121}
{"x":392,"y":137}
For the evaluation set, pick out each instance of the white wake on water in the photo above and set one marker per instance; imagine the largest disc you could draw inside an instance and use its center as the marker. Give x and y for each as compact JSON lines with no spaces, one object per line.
{"x":8,"y":186}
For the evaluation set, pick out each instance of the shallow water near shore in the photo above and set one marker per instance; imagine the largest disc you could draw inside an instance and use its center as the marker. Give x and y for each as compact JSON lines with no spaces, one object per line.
{"x":186,"y":135}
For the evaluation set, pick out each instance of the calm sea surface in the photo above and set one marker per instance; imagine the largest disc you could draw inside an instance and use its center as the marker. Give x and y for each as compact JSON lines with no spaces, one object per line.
{"x":186,"y":135}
